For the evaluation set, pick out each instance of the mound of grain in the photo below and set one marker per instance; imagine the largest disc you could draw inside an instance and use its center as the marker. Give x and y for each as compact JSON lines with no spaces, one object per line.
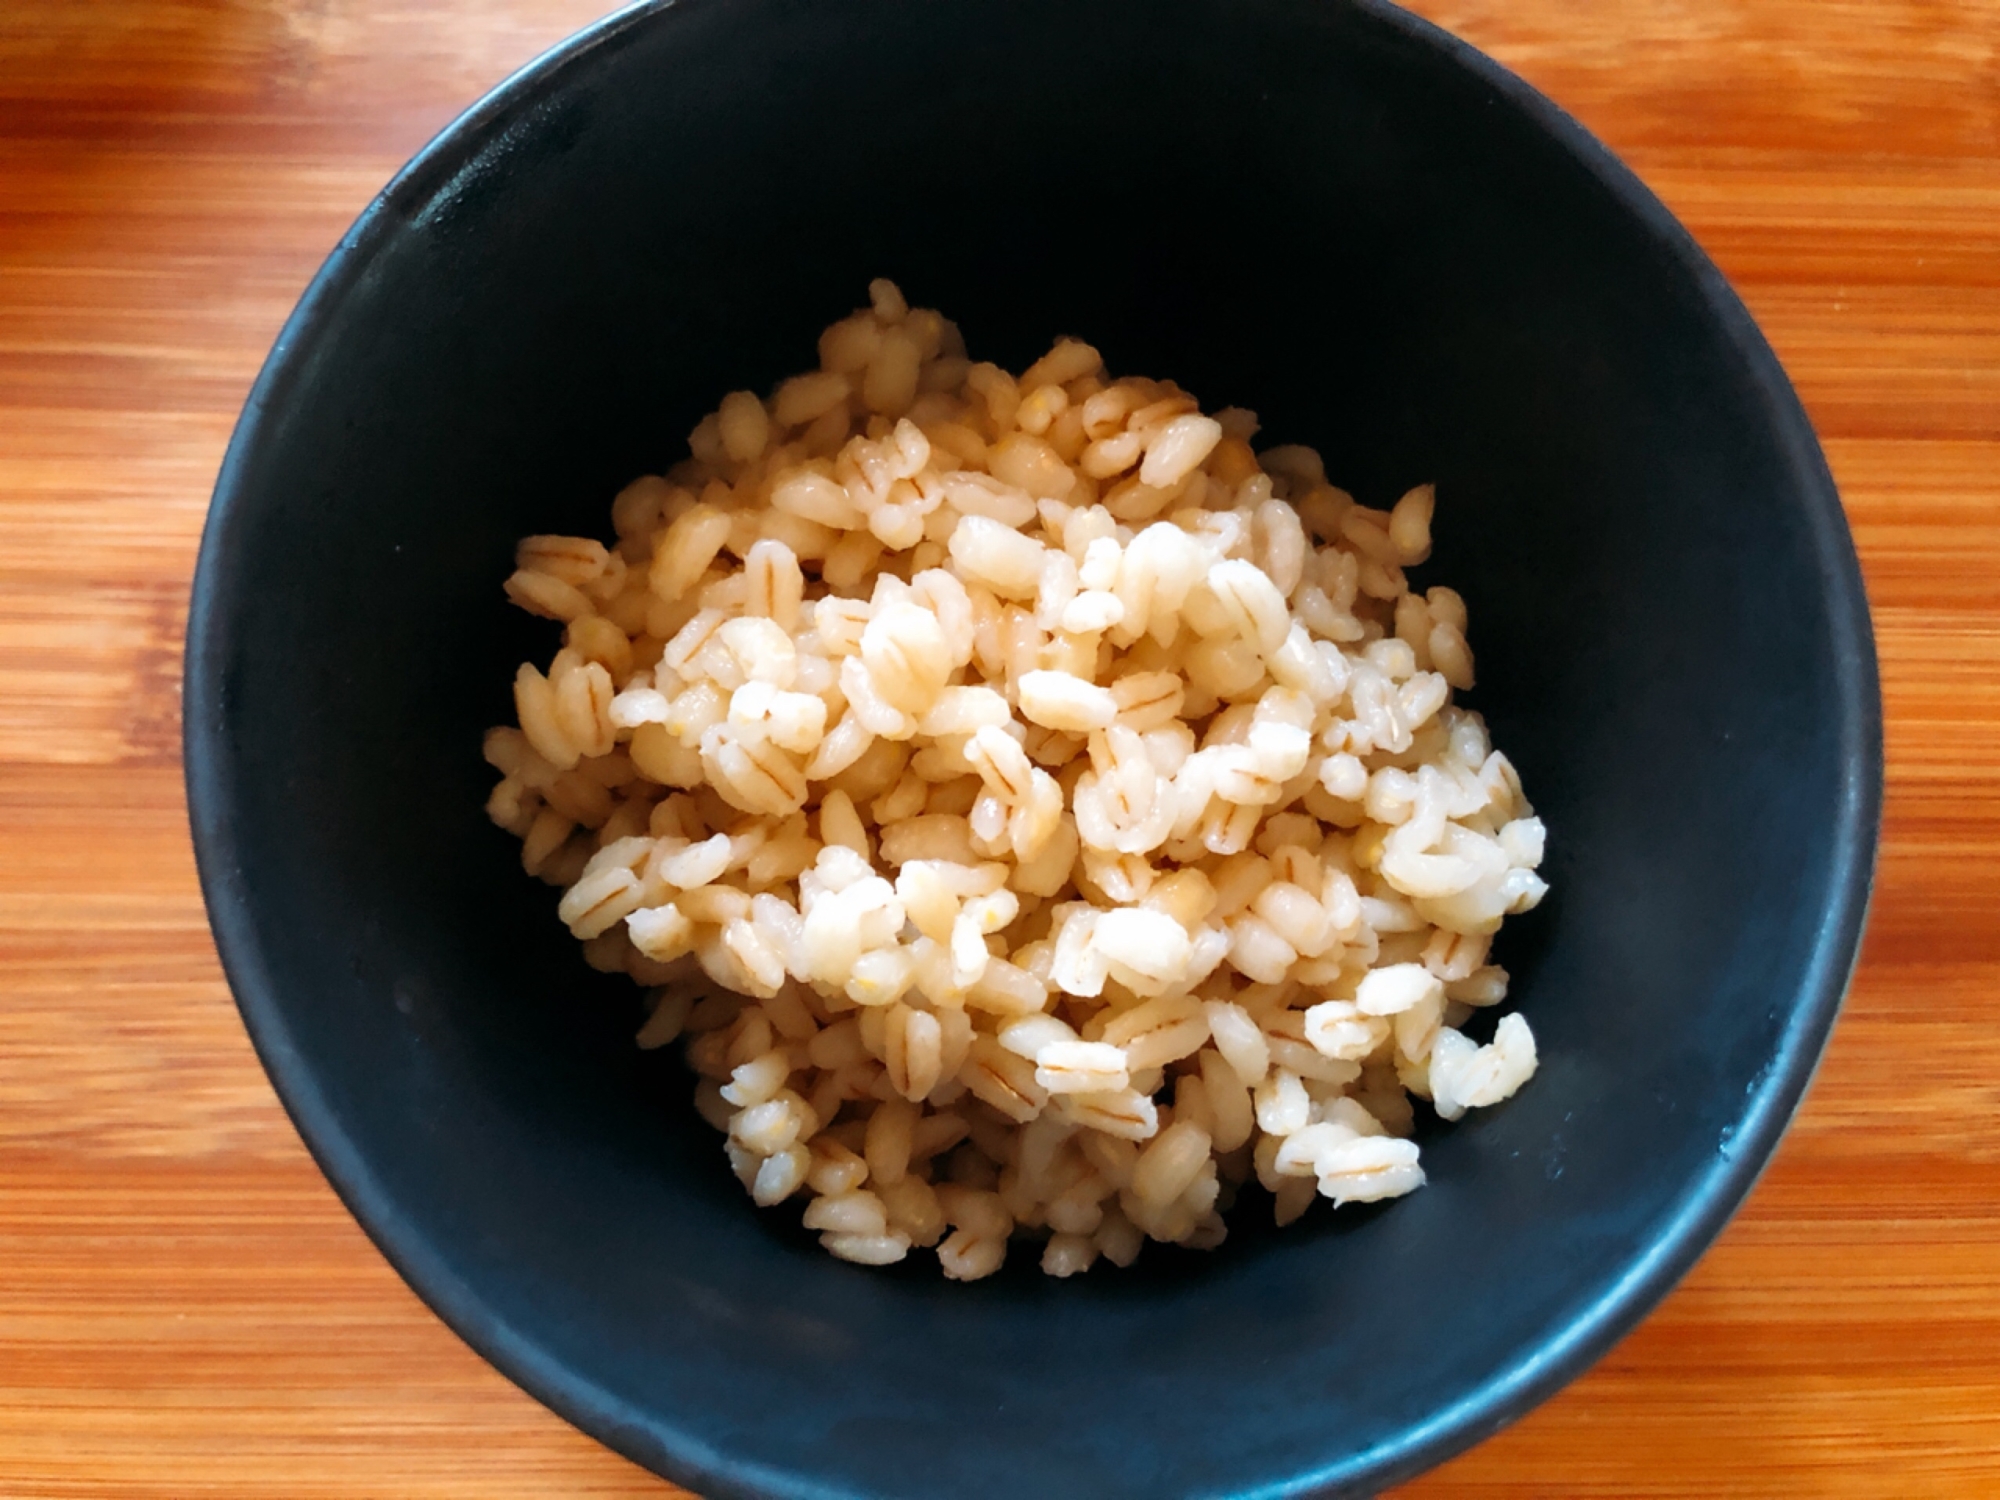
{"x":1042,"y":813}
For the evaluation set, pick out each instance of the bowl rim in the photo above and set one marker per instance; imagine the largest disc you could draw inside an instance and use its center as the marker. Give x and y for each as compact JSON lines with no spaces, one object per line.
{"x":648,"y":1437}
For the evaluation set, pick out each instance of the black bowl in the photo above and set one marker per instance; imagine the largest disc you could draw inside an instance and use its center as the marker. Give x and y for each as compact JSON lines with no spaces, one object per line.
{"x":1329,"y":212}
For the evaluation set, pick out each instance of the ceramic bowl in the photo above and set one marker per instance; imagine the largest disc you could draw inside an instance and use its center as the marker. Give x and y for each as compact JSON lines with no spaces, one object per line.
{"x":1324,"y":210}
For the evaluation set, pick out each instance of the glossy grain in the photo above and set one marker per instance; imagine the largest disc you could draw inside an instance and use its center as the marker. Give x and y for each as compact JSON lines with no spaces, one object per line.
{"x":187,"y":1311}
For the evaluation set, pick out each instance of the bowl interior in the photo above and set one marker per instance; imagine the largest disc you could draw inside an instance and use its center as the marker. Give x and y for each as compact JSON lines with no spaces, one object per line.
{"x":1320,"y":211}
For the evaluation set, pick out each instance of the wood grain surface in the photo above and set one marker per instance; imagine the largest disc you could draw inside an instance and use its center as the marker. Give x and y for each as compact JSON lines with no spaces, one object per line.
{"x":186,"y":1311}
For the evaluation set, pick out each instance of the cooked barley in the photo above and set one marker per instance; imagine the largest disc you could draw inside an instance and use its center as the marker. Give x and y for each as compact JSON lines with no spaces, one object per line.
{"x":1057,"y":815}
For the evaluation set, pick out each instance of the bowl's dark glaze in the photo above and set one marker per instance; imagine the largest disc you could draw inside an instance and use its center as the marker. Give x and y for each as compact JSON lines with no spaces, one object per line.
{"x":1328,"y":212}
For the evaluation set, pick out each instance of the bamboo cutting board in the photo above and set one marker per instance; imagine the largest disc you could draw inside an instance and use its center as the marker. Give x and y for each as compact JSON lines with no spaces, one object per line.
{"x":186,"y":1311}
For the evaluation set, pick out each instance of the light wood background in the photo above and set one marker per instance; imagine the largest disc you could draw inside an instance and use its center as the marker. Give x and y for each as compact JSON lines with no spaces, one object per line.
{"x":186,"y":1311}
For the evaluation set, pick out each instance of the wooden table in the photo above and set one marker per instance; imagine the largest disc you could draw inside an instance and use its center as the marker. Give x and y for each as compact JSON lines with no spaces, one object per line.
{"x":185,"y":1310}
